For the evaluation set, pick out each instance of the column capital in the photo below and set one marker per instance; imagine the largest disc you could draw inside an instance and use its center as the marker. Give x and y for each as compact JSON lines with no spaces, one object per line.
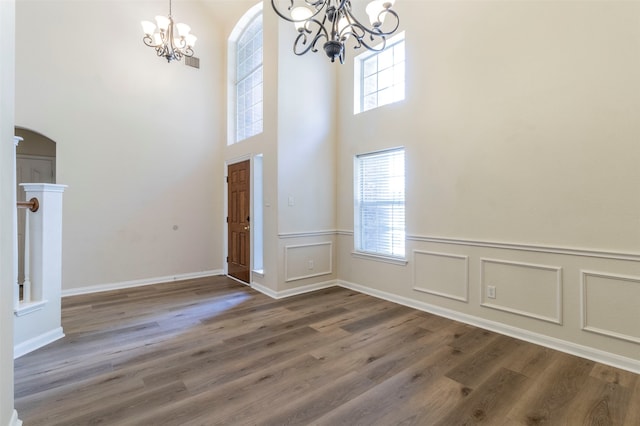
{"x":43,"y":187}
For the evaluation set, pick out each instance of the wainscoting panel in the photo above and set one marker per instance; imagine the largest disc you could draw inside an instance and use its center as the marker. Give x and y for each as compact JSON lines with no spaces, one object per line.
{"x":441,"y":274}
{"x":611,"y":305}
{"x":530,"y":290}
{"x":308,"y":260}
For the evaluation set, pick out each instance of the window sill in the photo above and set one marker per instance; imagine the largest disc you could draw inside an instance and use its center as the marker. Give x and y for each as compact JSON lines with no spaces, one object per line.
{"x":379,"y":258}
{"x":28,"y":308}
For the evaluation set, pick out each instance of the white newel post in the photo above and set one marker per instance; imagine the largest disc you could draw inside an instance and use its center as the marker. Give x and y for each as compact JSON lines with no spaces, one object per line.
{"x":38,"y":322}
{"x":16,"y":292}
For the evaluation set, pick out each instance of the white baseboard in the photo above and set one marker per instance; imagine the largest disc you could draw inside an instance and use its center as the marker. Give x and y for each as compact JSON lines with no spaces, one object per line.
{"x":15,"y":421}
{"x":293,"y":291}
{"x":265,"y":290}
{"x":593,"y":354}
{"x":37,"y":342}
{"x":138,"y":283}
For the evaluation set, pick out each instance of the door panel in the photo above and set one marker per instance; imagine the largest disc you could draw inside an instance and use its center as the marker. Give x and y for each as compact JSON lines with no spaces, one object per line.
{"x":238,"y":189}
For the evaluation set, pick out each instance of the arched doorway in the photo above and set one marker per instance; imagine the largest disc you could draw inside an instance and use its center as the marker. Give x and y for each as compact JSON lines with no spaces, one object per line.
{"x":35,"y":163}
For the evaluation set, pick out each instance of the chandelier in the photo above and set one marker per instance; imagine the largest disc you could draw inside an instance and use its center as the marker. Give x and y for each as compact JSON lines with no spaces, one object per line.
{"x":334,"y":22}
{"x":171,"y":40}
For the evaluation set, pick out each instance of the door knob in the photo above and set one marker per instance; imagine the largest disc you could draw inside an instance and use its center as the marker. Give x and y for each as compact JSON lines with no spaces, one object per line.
{"x":246,"y":228}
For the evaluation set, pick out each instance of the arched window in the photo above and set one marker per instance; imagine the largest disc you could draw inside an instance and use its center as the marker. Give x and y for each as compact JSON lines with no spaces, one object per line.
{"x":245,"y":77}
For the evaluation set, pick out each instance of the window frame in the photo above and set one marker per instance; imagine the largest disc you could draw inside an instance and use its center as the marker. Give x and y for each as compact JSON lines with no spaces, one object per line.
{"x":359,"y":78}
{"x":233,"y":116}
{"x":359,"y":249}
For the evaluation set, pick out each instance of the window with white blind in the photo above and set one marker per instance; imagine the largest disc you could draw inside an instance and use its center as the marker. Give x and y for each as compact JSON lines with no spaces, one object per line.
{"x":379,"y":76}
{"x":379,"y":203}
{"x":246,"y":49}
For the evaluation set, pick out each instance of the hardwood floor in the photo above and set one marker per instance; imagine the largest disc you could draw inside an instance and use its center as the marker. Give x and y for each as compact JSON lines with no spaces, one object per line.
{"x":213,"y":352}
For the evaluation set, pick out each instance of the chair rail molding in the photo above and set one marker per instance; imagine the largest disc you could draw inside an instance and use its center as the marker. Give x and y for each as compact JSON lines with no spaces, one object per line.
{"x":570,"y":251}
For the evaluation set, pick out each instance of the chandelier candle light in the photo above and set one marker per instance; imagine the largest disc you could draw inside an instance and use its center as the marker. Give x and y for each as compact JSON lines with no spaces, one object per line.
{"x":334,"y":22}
{"x":171,"y":40}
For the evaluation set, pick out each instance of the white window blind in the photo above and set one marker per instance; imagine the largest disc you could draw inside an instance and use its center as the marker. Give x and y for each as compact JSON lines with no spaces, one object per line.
{"x":380,"y":203}
{"x":249,"y":81}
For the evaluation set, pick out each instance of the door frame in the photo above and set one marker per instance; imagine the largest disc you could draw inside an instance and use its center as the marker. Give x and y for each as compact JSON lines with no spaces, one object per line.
{"x":225,"y":226}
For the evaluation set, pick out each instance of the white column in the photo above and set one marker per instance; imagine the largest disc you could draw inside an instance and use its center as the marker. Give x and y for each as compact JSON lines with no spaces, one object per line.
{"x":39,"y":322}
{"x":45,"y":241}
{"x":16,"y":295}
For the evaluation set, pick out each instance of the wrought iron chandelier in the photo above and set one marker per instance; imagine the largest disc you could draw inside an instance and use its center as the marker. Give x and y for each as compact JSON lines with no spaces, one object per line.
{"x":333,"y":22}
{"x":171,"y":40}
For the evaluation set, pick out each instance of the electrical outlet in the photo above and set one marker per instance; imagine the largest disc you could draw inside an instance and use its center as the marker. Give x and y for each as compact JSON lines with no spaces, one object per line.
{"x":491,"y":292}
{"x":310,"y":264}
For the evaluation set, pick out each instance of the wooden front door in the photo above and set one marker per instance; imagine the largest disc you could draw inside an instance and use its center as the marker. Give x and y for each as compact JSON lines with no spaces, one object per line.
{"x":238,"y":220}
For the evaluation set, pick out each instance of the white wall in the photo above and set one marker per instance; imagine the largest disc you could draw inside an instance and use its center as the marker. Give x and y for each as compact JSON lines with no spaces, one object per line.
{"x":7,"y":208}
{"x":306,"y":137}
{"x":520,"y":126}
{"x":298,"y":147}
{"x":519,"y":112}
{"x":138,"y":140}
{"x":306,"y":164}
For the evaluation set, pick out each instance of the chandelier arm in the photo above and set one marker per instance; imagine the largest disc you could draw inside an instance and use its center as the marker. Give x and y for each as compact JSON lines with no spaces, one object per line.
{"x":182,"y":44}
{"x":354,"y":30}
{"x":319,"y":5}
{"x":148,"y":40}
{"x":371,"y":47}
{"x":302,"y":40}
{"x":303,"y":37}
{"x":360,"y":35}
{"x":316,"y":4}
{"x":162,"y":51}
{"x":376,"y":30}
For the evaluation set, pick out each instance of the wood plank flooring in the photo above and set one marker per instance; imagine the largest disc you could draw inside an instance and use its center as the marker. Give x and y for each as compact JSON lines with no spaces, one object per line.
{"x":214,"y":352}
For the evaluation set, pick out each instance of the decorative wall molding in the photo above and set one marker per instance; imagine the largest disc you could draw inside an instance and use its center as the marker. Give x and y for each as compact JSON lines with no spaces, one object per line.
{"x":285,"y":235}
{"x":37,"y":342}
{"x":634,"y":257}
{"x":345,"y":232}
{"x":557,"y":319}
{"x":584,"y":306}
{"x":593,"y":354}
{"x":465,"y":264}
{"x":294,"y":291}
{"x":329,"y":260}
{"x":139,"y":283}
